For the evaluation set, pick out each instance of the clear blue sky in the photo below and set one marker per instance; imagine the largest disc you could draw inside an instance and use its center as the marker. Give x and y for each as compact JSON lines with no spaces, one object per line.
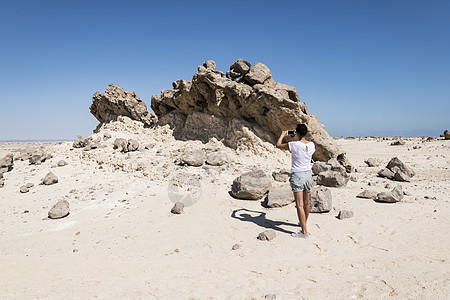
{"x":364,"y":67}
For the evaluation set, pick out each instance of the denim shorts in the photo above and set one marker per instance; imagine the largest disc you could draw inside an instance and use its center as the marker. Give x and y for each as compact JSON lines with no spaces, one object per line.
{"x":301,"y":181}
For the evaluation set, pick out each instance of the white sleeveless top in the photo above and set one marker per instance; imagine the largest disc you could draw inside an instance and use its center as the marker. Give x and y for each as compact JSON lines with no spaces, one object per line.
{"x":301,"y":159}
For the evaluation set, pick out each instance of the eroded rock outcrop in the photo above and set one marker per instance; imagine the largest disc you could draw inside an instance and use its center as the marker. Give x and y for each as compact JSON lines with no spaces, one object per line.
{"x":245,"y":108}
{"x":115,"y":101}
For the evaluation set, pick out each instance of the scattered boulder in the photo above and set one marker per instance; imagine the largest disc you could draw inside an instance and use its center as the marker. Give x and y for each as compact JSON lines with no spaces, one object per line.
{"x":133,"y":145}
{"x":333,"y":179}
{"x":251,"y":185}
{"x":106,"y":136}
{"x":447,"y":135}
{"x":368,"y":194}
{"x":218,"y":158}
{"x":282,"y":175}
{"x":6,"y":163}
{"x":92,"y":144}
{"x":178,"y":208}
{"x":62,"y":163}
{"x":320,"y":200}
{"x":386,"y":173}
{"x":193,"y":158}
{"x":396,"y":164}
{"x":50,"y":179}
{"x":125,"y":146}
{"x":236,"y":247}
{"x":319,"y":167}
{"x":24,"y":189}
{"x":246,"y":109}
{"x":116,"y":102}
{"x":344,"y":214}
{"x":267,"y":235}
{"x":373,"y":162}
{"x":400,"y":176}
{"x":336,"y":165}
{"x":59,"y":210}
{"x":39,"y":157}
{"x":398,"y":143}
{"x":121,"y":144}
{"x":395,"y":195}
{"x":397,"y":170}
{"x":81,"y":142}
{"x":279,"y":196}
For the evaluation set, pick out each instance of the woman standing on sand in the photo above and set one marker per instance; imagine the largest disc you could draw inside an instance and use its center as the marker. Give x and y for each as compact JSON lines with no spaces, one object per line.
{"x":301,"y":177}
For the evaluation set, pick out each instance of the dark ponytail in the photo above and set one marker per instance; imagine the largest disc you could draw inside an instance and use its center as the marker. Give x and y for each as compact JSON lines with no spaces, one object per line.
{"x":302,"y":130}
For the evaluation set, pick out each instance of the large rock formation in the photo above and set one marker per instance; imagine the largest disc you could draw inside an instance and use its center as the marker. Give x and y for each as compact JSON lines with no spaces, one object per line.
{"x":118,"y":102}
{"x":245,"y":108}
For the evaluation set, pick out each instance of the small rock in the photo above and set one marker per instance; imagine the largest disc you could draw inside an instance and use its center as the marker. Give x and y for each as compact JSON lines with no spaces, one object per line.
{"x":446,"y":135}
{"x":398,"y":143}
{"x":319,"y":167}
{"x":370,"y":183}
{"x":49,"y":179}
{"x":279,"y":196}
{"x":24,"y":189}
{"x":396,"y":165}
{"x":132,"y":145}
{"x":6,"y":163}
{"x":344,"y":214}
{"x":406,"y":193}
{"x":393,"y":196}
{"x":333,"y":178}
{"x":217,"y":159}
{"x":271,"y":297}
{"x":386,"y":173}
{"x":353,"y":178}
{"x":320,"y":200}
{"x":267,"y":235}
{"x":388,"y":186}
{"x":373,"y":162}
{"x":368,"y":194}
{"x":251,"y":185}
{"x":106,"y":136}
{"x":236,"y":247}
{"x":59,"y":210}
{"x":121,"y":144}
{"x":29,"y":185}
{"x":193,"y":158}
{"x":26,"y":211}
{"x":282,"y":175}
{"x":62,"y":163}
{"x":400,"y":176}
{"x":80,"y":142}
{"x":178,"y":208}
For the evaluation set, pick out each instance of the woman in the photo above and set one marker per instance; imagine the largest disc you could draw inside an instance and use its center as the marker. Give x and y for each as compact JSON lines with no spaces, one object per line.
{"x":301,"y":177}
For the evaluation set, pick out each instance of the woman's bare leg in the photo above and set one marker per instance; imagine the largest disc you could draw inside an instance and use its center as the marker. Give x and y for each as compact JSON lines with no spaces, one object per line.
{"x":300,"y":210}
{"x":306,"y":204}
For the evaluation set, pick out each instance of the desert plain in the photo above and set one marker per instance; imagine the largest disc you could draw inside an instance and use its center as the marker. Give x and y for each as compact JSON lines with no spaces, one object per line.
{"x":120,"y":239}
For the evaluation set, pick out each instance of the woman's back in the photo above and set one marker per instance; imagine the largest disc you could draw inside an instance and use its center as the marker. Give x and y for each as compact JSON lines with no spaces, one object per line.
{"x":301,"y":155}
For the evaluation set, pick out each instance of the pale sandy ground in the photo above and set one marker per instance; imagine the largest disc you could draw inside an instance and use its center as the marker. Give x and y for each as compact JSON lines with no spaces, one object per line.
{"x":120,"y":240}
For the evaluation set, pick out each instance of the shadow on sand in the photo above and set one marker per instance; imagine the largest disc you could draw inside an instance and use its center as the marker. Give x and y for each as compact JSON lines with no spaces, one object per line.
{"x":259,"y":218}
